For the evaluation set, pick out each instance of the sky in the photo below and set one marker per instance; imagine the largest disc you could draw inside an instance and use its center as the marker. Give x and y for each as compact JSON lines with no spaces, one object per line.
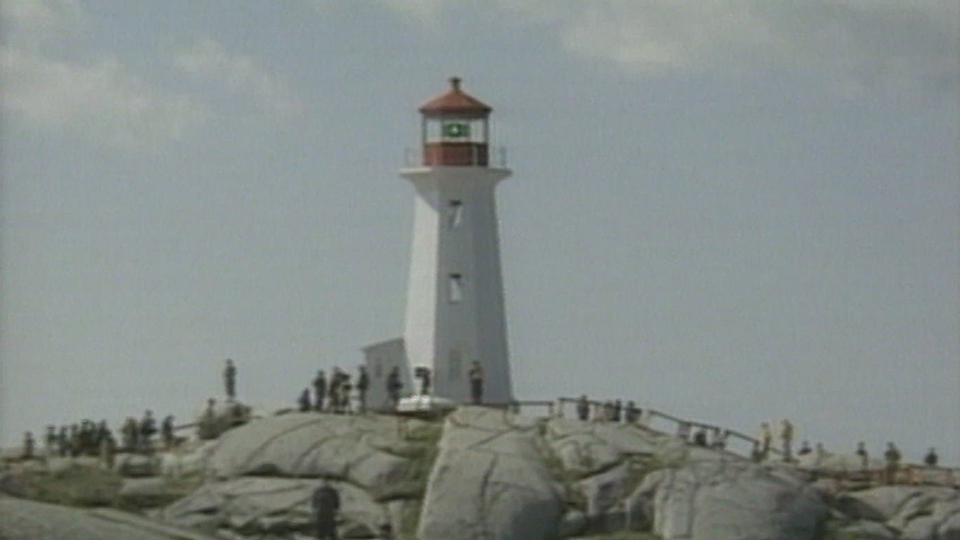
{"x":734,"y":211}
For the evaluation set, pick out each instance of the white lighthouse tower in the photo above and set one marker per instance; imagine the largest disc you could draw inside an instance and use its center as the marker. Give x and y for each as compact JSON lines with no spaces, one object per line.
{"x":455,"y":312}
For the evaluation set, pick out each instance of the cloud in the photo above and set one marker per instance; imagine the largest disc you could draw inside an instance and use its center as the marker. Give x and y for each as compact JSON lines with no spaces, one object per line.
{"x":98,"y":98}
{"x":850,"y":44}
{"x":241,"y":74}
{"x":42,"y":17}
{"x":862,"y":42}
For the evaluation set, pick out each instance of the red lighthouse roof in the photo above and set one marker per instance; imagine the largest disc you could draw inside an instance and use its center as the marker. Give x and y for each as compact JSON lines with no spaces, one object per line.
{"x":456,"y":102}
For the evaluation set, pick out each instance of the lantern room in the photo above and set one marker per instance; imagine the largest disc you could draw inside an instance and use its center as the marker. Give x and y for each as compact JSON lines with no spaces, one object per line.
{"x":455,"y":129}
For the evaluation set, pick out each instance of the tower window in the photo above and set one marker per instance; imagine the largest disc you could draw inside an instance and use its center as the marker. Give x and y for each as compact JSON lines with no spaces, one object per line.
{"x":455,"y":215}
{"x":455,"y":294}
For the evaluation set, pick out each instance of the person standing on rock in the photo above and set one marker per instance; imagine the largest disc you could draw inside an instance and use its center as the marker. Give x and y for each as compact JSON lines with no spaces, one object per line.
{"x":892,"y":457}
{"x":108,"y":451}
{"x":583,"y":408}
{"x":230,"y":379}
{"x":631,"y":414}
{"x":863,"y":455}
{"x":766,"y":438}
{"x":423,"y":373}
{"x":304,"y":400}
{"x":363,"y":383}
{"x":345,"y":388}
{"x":50,"y":440}
{"x":700,"y":437}
{"x":333,"y":392}
{"x":476,"y":382}
{"x":756,"y":454}
{"x":319,"y":390}
{"x":148,"y":428}
{"x":393,"y":386}
{"x":720,"y":438}
{"x":325,"y":504}
{"x":29,"y":445}
{"x":63,"y":441}
{"x":166,"y":432}
{"x":786,"y":437}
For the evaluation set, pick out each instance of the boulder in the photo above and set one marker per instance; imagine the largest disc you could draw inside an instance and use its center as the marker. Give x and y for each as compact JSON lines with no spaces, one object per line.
{"x":893,"y":504}
{"x":573,"y":523}
{"x":23,"y":519}
{"x":490,"y":481}
{"x":257,"y":506}
{"x":137,"y":465}
{"x":213,"y":422}
{"x":920,"y":528}
{"x":187,"y":460}
{"x":730,"y":499}
{"x":586,"y":448}
{"x":866,"y":530}
{"x":949,"y":528}
{"x":368,"y":450}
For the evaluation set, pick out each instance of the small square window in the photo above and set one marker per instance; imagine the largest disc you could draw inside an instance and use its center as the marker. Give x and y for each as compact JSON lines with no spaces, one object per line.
{"x":456,"y":288}
{"x":455,"y":213}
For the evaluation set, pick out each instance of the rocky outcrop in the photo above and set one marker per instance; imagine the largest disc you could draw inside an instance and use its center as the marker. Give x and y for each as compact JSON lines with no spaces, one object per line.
{"x":372,"y":451}
{"x":21,"y":519}
{"x":586,"y":448}
{"x":490,"y":481}
{"x":730,"y":499}
{"x":919,"y":513}
{"x":281,"y":506}
{"x":483,"y":473}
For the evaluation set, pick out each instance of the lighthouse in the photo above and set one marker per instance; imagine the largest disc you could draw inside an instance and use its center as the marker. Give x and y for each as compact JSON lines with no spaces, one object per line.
{"x":455,"y":308}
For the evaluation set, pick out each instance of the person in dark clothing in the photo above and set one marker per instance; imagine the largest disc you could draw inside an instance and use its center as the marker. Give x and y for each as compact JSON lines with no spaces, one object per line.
{"x":333,"y":391}
{"x":319,"y":390}
{"x":345,"y":388}
{"x":423,"y":373}
{"x":476,"y":382}
{"x":720,"y":438}
{"x":700,"y":437}
{"x":325,"y":504}
{"x":148,"y":428}
{"x":892,"y":457}
{"x":230,"y":379}
{"x":393,"y":386}
{"x":363,"y":383}
{"x":931,"y":459}
{"x":304,"y":400}
{"x":29,"y":445}
{"x":583,"y":408}
{"x":631,"y":413}
{"x":804,"y":449}
{"x":166,"y":432}
{"x":63,"y":442}
{"x":50,"y":440}
{"x":617,"y":410}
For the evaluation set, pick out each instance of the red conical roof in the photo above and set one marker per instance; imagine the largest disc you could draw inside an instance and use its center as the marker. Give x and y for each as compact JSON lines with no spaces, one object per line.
{"x":455,"y":101}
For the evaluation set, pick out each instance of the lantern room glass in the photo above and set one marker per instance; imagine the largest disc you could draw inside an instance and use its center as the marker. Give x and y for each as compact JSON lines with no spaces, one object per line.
{"x":455,"y":129}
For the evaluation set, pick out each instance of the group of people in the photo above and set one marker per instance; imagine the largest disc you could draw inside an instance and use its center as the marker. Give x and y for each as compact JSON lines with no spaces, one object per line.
{"x":337,"y":393}
{"x":761,"y":449}
{"x":138,"y":435}
{"x":610,"y":411}
{"x":334,"y":395}
{"x":89,"y":438}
